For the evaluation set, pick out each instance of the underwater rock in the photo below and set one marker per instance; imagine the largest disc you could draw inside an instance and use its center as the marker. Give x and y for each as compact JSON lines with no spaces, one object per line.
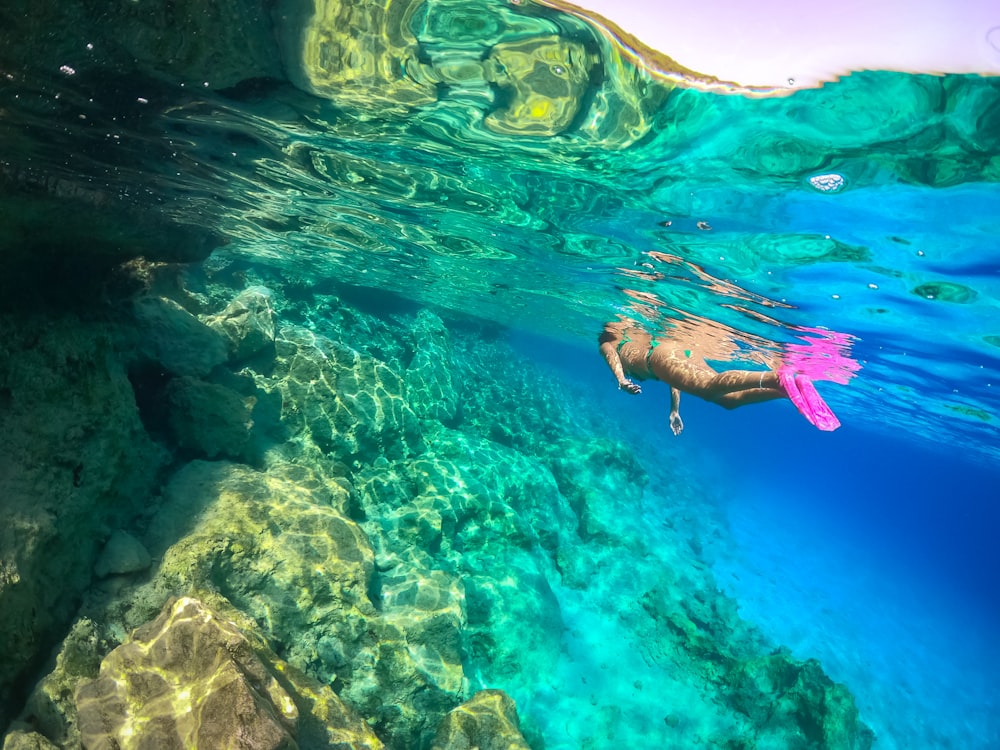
{"x":50,"y":709}
{"x":430,"y":608}
{"x":269,"y":545}
{"x":588,"y":472}
{"x":487,"y":721}
{"x":785,"y":697}
{"x":349,"y":405}
{"x":122,"y":554}
{"x":277,"y":551}
{"x":69,"y":262}
{"x":188,"y":679}
{"x":487,"y":513}
{"x":19,"y":739}
{"x":208,"y":419}
{"x":430,"y":379}
{"x":323,"y":721}
{"x":247,"y":323}
{"x":74,"y":461}
{"x":775,"y":700}
{"x":175,"y":339}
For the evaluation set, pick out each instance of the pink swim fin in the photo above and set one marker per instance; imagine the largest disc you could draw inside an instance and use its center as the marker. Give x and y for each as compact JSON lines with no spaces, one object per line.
{"x":807,"y":400}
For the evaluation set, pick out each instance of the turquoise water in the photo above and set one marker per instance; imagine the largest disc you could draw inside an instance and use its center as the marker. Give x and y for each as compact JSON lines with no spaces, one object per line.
{"x":454,"y":234}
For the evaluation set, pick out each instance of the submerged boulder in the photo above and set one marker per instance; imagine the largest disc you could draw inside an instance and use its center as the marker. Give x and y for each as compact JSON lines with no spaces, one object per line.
{"x":208,"y":419}
{"x":187,"y":679}
{"x":278,"y":548}
{"x":122,"y":554}
{"x":21,"y":739}
{"x":247,"y":323}
{"x":171,"y":337}
{"x":487,"y":721}
{"x":786,"y":697}
{"x":192,"y":679}
{"x":430,"y":379}
{"x":346,"y":404}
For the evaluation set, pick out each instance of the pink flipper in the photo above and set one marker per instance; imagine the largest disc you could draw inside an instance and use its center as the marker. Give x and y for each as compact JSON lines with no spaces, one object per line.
{"x":822,"y":416}
{"x":810,"y":404}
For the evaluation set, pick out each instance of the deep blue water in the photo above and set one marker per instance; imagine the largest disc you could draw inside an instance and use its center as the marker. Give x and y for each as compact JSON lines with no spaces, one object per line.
{"x":876,"y":554}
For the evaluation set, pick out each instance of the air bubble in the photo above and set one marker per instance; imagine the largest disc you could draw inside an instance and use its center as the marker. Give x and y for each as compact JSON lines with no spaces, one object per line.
{"x":827,"y":183}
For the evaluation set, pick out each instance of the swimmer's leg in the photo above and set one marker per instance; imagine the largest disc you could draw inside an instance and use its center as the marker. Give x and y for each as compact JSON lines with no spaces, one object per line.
{"x":753,"y":396}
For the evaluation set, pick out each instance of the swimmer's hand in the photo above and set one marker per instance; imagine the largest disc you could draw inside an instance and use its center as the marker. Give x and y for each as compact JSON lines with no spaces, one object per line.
{"x":628,"y":385}
{"x":676,"y":423}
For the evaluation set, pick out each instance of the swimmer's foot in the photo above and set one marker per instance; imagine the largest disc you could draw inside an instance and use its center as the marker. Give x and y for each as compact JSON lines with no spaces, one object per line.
{"x":823,"y":416}
{"x":807,"y":400}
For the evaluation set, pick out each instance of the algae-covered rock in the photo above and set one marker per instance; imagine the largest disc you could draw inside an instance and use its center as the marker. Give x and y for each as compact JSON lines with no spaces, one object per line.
{"x":487,"y":721}
{"x":20,"y":739}
{"x":50,"y":709}
{"x":208,"y":419}
{"x":122,"y":553}
{"x":775,"y":699}
{"x":188,"y":679}
{"x":429,"y":606}
{"x":592,"y":472}
{"x":267,"y":544}
{"x":486,"y":512}
{"x":431,"y":386}
{"x":786,"y":697}
{"x":277,"y":549}
{"x":175,"y":339}
{"x":247,"y":323}
{"x":74,"y":461}
{"x":348,"y":404}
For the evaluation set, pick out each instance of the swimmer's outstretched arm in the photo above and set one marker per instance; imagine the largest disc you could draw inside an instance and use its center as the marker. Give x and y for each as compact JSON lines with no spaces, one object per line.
{"x":676,"y":423}
{"x":615,"y":363}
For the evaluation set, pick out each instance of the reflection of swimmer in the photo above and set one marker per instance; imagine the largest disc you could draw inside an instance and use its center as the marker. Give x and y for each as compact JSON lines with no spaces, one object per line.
{"x":679,"y":361}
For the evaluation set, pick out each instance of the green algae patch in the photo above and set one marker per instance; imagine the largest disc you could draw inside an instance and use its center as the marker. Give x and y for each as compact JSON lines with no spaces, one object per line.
{"x":945,"y":291}
{"x":971,"y":411}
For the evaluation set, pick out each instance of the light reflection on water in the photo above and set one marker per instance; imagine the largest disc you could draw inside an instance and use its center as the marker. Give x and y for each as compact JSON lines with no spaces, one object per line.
{"x":510,"y":161}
